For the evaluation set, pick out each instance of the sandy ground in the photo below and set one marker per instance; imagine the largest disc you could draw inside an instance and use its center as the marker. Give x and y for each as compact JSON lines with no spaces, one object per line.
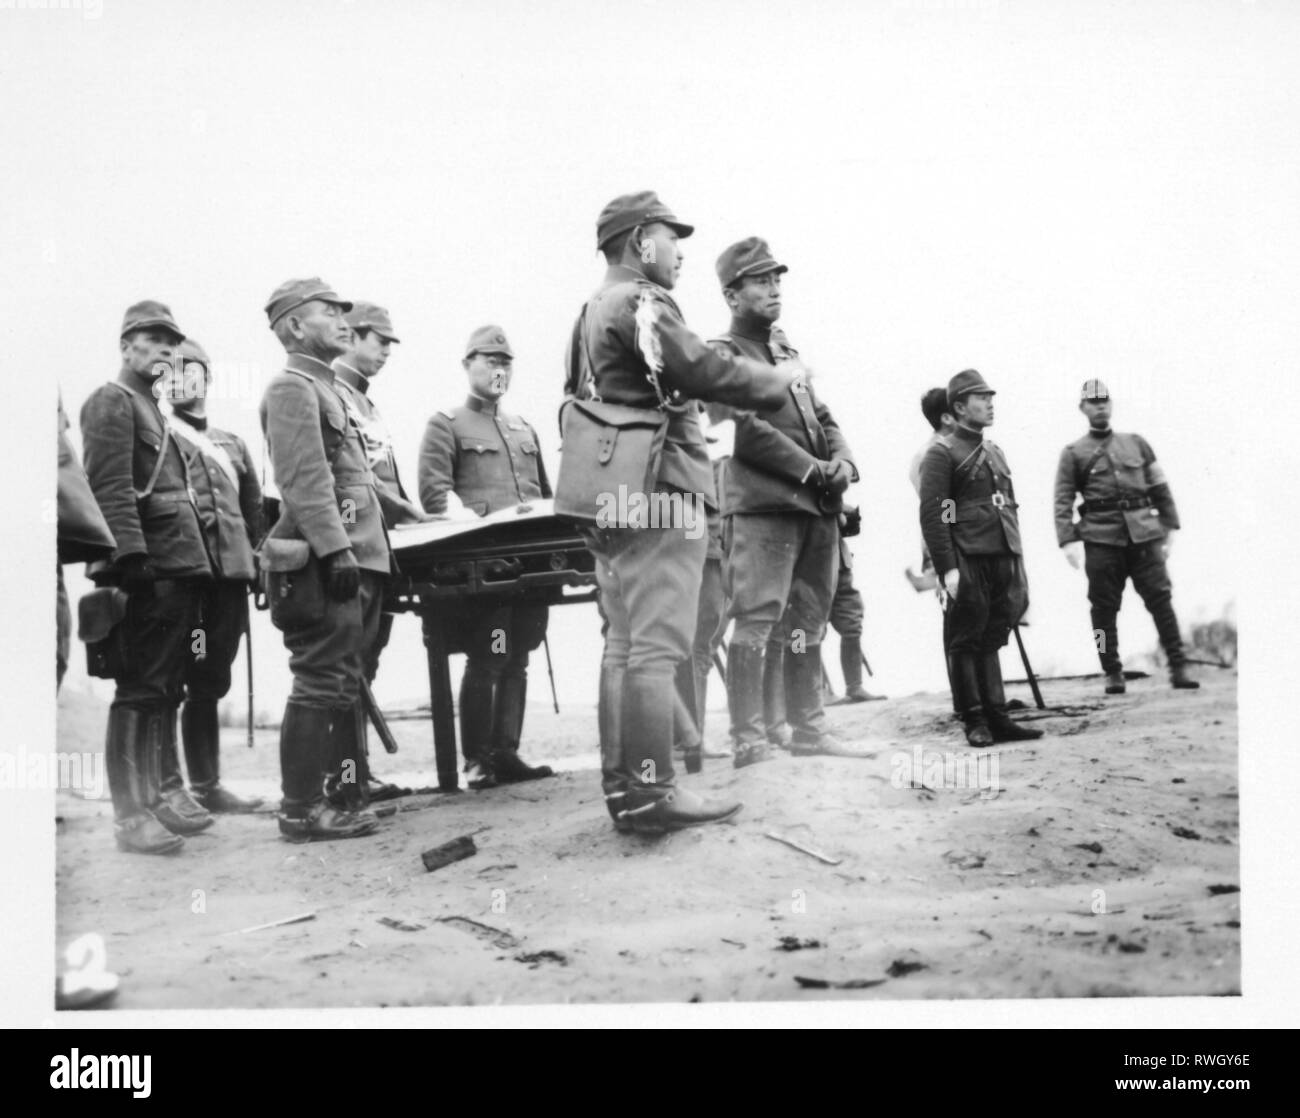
{"x":1102,"y":861}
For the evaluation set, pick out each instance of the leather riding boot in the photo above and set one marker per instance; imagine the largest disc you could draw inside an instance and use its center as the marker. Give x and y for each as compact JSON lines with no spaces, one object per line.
{"x":803,"y":705}
{"x":609,"y":722}
{"x":201,"y":737}
{"x":306,"y":751}
{"x":1179,"y":678}
{"x":686,"y":737}
{"x":775,"y":726}
{"x":348,"y":785}
{"x":995,"y":702}
{"x":376,"y":790}
{"x":175,"y":809}
{"x":135,"y":828}
{"x":477,"y":689}
{"x":1115,"y":683}
{"x":851,"y":666}
{"x":966,"y":695}
{"x":507,"y":729}
{"x":746,"y":695}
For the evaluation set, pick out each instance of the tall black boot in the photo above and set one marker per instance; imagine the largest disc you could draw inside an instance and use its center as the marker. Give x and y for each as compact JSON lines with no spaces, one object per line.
{"x":966,"y":697}
{"x":477,"y":691}
{"x":507,"y":729}
{"x":653,"y":803}
{"x":126,"y":745}
{"x":1171,"y":640}
{"x":746,"y":699}
{"x":851,"y":666}
{"x":995,"y":702}
{"x":176,"y":809}
{"x":348,"y":785}
{"x":803,"y":705}
{"x":609,"y":724}
{"x":306,"y":753}
{"x":775,"y":724}
{"x":201,"y":739}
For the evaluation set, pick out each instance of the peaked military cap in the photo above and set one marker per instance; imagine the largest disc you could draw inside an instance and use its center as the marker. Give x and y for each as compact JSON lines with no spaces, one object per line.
{"x":191,"y":351}
{"x":630,"y":210}
{"x":750,"y":257}
{"x":295,"y":292}
{"x":368,"y":316}
{"x":147,"y":313}
{"x":966,"y":382}
{"x":1094,"y":390}
{"x":488,"y":339}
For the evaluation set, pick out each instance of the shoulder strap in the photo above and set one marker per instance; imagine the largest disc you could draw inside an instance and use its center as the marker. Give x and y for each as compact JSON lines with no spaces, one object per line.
{"x":141,"y":494}
{"x":967,"y":467}
{"x":1081,"y":476}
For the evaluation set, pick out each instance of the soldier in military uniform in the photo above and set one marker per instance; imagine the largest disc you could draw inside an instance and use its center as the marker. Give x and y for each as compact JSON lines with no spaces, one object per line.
{"x":968,"y":519}
{"x":784,"y":483}
{"x":847,"y":613}
{"x":325,"y":561}
{"x":491,"y":460}
{"x":229,"y":501}
{"x":630,"y":347}
{"x":1125,"y":528}
{"x":142,"y":484}
{"x":368,"y":353}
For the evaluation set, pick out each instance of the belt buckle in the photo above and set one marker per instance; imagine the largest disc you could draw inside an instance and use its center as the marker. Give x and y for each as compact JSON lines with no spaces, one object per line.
{"x":999,"y":500}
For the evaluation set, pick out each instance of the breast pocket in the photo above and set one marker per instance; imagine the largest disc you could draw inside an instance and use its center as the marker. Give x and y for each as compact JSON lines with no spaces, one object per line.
{"x":478,"y":446}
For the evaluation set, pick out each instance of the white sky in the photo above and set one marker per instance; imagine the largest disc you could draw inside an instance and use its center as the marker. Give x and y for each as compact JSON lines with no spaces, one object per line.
{"x":1044,"y":191}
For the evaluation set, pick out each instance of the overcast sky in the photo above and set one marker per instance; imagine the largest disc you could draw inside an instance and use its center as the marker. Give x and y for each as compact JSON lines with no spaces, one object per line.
{"x":1044,"y":191}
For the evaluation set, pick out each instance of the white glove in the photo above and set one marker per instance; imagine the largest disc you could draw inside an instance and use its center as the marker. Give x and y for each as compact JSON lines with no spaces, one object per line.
{"x":1074,"y":553}
{"x":951,"y":581}
{"x":1169,"y":541}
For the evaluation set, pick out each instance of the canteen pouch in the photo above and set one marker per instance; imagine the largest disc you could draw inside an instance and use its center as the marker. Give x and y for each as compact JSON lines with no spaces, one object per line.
{"x":292,"y":581}
{"x":99,"y":617}
{"x":606,"y":449}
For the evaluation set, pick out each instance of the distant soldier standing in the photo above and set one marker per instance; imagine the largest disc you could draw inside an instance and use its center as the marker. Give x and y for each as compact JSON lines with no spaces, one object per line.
{"x":630,"y":347}
{"x":784,"y":482}
{"x":141,"y":482}
{"x":324,"y":561}
{"x":229,"y":501}
{"x":1125,"y":529}
{"x":968,"y":519}
{"x":491,"y":460}
{"x":368,"y":353}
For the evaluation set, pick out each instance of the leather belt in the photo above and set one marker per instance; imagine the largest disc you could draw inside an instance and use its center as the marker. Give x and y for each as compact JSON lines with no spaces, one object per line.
{"x":1108,"y":504}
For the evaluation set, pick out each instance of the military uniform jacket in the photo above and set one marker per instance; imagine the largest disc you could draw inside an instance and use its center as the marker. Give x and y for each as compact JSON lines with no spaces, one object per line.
{"x":776,"y":464}
{"x":130,"y":453}
{"x":354,"y":387}
{"x":1120,"y":474}
{"x":630,"y":335}
{"x":968,"y":503}
{"x":83,"y":532}
{"x":491,"y":460}
{"x":230,"y":507}
{"x":327,"y":489}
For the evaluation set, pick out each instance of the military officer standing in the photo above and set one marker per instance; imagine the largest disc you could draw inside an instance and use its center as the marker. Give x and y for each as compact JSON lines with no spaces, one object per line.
{"x":325,"y":561}
{"x":630,"y":347}
{"x":784,"y":483}
{"x":1126,"y":525}
{"x":229,"y":501}
{"x":141,"y":482}
{"x":491,"y":460}
{"x":968,"y":519}
{"x":368,"y":353}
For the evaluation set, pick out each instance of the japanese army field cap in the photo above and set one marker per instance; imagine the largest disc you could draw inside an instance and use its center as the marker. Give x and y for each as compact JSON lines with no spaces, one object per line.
{"x":148,"y":313}
{"x":295,"y":292}
{"x":192,"y":351}
{"x":488,"y":339}
{"x":750,"y":257}
{"x":1094,"y":390}
{"x":964,"y":383}
{"x":630,"y":210}
{"x":368,"y":316}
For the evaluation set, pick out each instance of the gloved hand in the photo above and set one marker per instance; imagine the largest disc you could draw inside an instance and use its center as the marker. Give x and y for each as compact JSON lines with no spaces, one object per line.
{"x":342,"y":575}
{"x":1074,"y":554}
{"x":837,"y":474}
{"x":951,"y":581}
{"x":137,"y":574}
{"x":1169,"y":541}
